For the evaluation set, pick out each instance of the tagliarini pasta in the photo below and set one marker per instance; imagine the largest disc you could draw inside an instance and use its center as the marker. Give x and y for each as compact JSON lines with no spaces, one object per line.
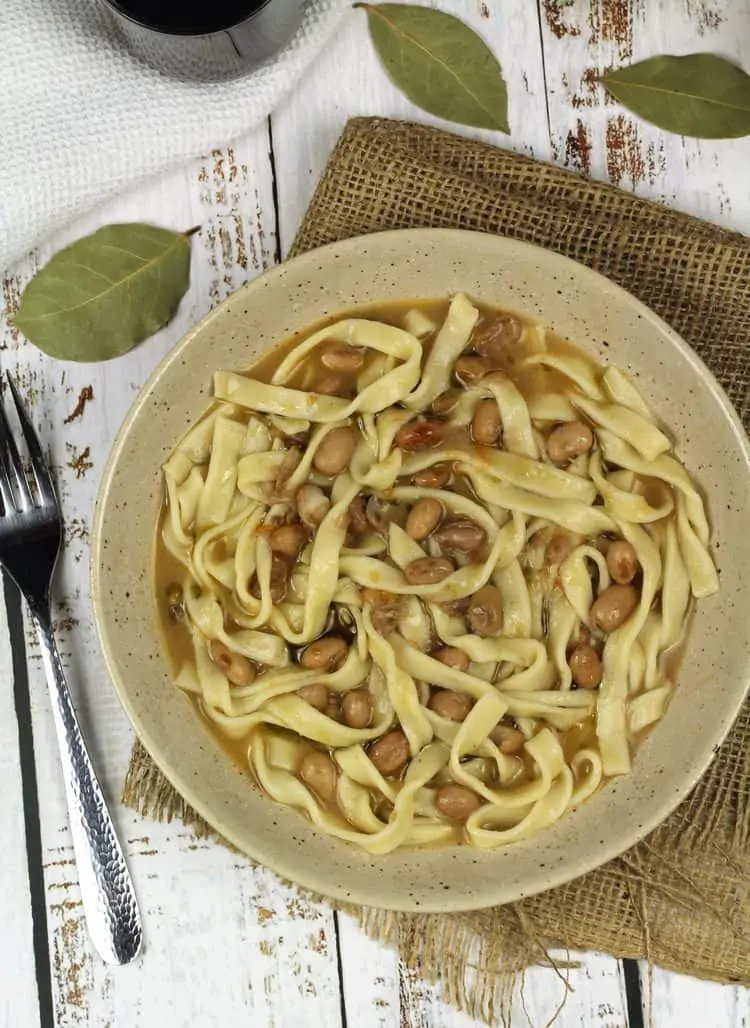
{"x":425,"y":569}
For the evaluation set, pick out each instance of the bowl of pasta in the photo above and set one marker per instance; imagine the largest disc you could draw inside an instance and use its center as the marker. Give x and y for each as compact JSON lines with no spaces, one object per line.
{"x":418,"y":603}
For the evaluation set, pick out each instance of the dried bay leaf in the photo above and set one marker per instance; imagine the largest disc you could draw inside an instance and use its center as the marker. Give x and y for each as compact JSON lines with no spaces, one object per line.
{"x":700,"y":95}
{"x":440,"y":64}
{"x":103,"y":294}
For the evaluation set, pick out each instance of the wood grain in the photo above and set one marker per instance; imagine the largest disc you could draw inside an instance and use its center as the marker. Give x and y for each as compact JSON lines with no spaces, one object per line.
{"x":19,"y":1003}
{"x":226,"y":943}
{"x":381,"y":991}
{"x":305,"y":128}
{"x":592,"y":134}
{"x":676,"y":1001}
{"x":350,"y":82}
{"x":268,"y":957}
{"x":595,"y":136}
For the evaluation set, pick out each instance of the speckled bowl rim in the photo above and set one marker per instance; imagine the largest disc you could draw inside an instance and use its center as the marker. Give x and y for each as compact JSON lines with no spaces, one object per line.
{"x":616,"y":841}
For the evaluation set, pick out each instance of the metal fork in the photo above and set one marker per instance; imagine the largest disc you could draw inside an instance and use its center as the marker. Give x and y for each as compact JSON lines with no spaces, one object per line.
{"x":30,"y":541}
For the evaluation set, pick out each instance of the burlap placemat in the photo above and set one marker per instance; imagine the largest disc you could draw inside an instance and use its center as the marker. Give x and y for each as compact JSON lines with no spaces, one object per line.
{"x":680,"y":897}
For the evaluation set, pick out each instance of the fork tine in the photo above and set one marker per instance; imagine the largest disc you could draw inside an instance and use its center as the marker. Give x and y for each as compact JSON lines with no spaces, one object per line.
{"x":6,"y":492}
{"x":12,"y":462}
{"x":38,"y":463}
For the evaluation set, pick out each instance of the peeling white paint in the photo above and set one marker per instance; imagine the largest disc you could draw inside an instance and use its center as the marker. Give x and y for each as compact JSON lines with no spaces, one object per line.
{"x":225,"y":943}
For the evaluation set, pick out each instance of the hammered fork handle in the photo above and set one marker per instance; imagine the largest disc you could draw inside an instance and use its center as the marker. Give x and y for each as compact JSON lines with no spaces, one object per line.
{"x":107,"y":891}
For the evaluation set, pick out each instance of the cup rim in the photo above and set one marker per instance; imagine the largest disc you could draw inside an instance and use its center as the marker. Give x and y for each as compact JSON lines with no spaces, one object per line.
{"x":189,"y":33}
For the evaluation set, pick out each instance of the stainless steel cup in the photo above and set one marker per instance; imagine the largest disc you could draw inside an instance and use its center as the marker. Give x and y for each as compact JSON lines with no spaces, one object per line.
{"x":209,"y":40}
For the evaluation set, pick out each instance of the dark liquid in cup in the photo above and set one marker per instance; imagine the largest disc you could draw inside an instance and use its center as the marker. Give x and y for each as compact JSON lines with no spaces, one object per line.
{"x":183,"y":16}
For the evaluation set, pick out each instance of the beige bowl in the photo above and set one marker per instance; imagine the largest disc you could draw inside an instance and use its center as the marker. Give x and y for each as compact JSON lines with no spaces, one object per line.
{"x":586,"y":308}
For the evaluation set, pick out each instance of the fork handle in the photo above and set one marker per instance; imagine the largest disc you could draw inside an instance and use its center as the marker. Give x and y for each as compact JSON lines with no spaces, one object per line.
{"x":109,"y":902}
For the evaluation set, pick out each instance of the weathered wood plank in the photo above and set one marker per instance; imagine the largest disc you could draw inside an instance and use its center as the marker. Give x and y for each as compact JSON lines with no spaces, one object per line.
{"x":348,"y":81}
{"x":676,"y":1001}
{"x":595,"y":136}
{"x":222,"y":941}
{"x":378,"y":989}
{"x":19,"y":1002}
{"x":592,"y":134}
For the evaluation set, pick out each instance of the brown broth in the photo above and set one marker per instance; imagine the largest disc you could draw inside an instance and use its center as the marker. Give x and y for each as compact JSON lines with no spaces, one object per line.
{"x":578,"y":737}
{"x":531,"y":381}
{"x":175,"y":636}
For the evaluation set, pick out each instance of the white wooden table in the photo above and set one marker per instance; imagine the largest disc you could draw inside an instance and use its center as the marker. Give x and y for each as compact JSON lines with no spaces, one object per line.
{"x":226,"y":945}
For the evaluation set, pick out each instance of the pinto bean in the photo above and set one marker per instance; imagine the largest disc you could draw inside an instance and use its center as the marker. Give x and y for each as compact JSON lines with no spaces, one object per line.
{"x":479,"y":554}
{"x":316,"y":695}
{"x":613,"y":606}
{"x":380,"y":513}
{"x":234,"y":666}
{"x":312,"y":505}
{"x":356,"y":707}
{"x":289,"y":464}
{"x":460,"y":534}
{"x":568,"y":441}
{"x":453,"y":706}
{"x":457,"y":802}
{"x":485,"y":613}
{"x":385,"y":609}
{"x":428,"y":570}
{"x":508,"y":740}
{"x":559,"y":548}
{"x":435,"y":477}
{"x":622,"y":562}
{"x":288,"y":540}
{"x":486,"y":425}
{"x":424,"y":517}
{"x":385,"y":619}
{"x":469,"y":370}
{"x":334,"y":384}
{"x":325,"y":654}
{"x":336,"y":450}
{"x":333,"y":707}
{"x":420,"y":435}
{"x":390,"y":752}
{"x":496,"y":337}
{"x":445,"y":402}
{"x":456,"y":608}
{"x":343,"y":358}
{"x":279,"y":578}
{"x":451,"y":656}
{"x":357,"y":515}
{"x":318,"y":771}
{"x":603,"y":542}
{"x":585,"y":666}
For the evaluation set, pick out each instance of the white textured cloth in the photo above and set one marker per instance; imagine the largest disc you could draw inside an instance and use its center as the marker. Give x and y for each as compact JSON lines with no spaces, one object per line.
{"x":81,"y":120}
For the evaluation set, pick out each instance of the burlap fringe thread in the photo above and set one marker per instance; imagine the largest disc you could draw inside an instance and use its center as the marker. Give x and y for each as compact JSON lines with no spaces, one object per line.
{"x":479,"y":974}
{"x":479,"y":958}
{"x":680,"y":897}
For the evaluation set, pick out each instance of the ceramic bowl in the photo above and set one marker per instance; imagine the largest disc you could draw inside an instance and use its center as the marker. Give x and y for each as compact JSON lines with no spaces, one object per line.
{"x":588,"y":309}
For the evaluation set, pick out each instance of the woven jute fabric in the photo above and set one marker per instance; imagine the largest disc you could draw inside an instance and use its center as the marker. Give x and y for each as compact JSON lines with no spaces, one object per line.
{"x":680,"y":897}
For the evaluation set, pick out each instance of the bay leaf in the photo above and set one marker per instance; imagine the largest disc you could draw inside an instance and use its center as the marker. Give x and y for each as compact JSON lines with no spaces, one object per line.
{"x":103,"y":294}
{"x":700,"y":95}
{"x":440,"y":64}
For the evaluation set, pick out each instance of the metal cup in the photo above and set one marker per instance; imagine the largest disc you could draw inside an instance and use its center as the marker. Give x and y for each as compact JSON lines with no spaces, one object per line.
{"x":206,"y":46}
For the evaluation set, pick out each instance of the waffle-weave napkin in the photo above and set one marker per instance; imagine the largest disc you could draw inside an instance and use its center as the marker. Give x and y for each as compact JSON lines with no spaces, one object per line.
{"x":81,"y":119}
